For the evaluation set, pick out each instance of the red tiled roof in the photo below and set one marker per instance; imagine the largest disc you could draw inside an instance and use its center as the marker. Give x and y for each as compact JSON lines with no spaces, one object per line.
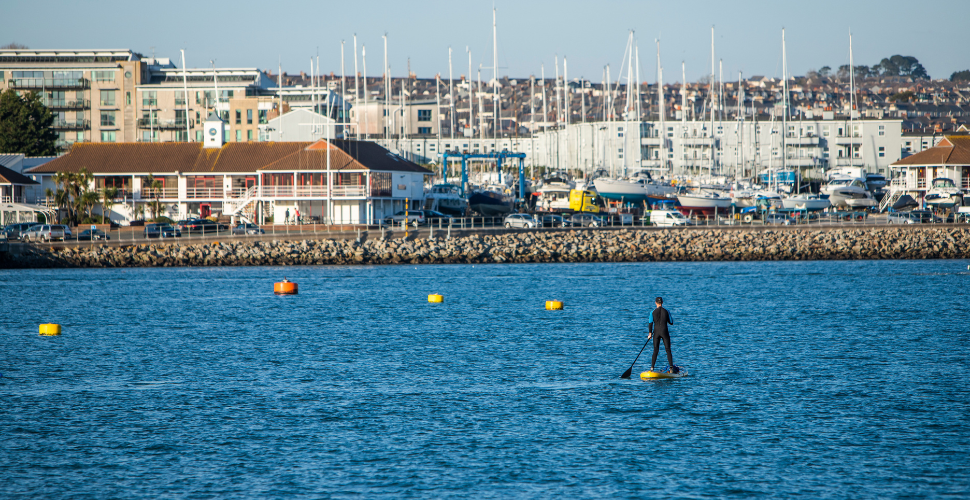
{"x":243,"y":157}
{"x":952,"y":150}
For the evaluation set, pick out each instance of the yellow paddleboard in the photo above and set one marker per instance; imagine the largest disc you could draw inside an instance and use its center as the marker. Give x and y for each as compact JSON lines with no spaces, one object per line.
{"x":655,"y":375}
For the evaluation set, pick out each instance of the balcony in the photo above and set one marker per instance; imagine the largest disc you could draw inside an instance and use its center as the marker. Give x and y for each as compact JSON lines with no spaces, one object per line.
{"x":311,"y":191}
{"x":164,"y":124}
{"x":169,"y":193}
{"x":204,"y":193}
{"x":50,"y":83}
{"x":61,"y":104}
{"x":71,"y":125}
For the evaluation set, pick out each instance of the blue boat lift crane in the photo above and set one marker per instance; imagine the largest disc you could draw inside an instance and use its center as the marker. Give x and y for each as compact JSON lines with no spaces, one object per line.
{"x":498,"y":157}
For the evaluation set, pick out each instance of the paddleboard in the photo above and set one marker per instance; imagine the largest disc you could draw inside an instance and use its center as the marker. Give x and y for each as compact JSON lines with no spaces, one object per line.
{"x":655,"y":375}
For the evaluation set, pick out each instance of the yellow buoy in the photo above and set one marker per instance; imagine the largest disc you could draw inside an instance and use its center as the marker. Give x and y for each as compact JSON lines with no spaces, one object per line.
{"x":435,"y":298}
{"x":553,"y":305}
{"x":50,"y":329}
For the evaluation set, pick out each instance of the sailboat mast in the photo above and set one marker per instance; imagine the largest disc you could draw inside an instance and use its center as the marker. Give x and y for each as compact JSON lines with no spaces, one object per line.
{"x":387,"y":97}
{"x":343,"y":91}
{"x":495,"y":86}
{"x":566,"y":98}
{"x":356,"y":86}
{"x":451,"y":96}
{"x":363,"y":57}
{"x":661,"y":108}
{"x":851,"y":101}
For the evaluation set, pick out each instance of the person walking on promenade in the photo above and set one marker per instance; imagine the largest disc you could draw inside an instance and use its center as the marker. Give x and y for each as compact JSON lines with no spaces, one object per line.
{"x":659,"y":319}
{"x":286,"y":219}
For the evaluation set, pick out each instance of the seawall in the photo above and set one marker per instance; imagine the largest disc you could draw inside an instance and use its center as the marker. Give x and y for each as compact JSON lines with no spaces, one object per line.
{"x":951,"y":242}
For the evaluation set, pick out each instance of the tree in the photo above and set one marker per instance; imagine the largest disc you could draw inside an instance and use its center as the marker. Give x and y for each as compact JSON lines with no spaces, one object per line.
{"x":25,"y":125}
{"x":108,"y":196}
{"x":14,"y":46}
{"x":901,"y":96}
{"x":88,"y":200}
{"x":960,"y":76}
{"x":898,"y":65}
{"x":824,"y":71}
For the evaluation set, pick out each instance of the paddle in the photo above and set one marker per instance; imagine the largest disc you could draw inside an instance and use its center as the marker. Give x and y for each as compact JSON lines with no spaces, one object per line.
{"x":629,"y":370}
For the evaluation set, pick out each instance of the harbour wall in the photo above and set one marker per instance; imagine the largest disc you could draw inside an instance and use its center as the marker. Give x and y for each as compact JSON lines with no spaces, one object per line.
{"x":622,"y":245}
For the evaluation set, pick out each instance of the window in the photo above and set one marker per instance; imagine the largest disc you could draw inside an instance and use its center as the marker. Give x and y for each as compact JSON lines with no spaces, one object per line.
{"x":262,"y":117}
{"x":80,"y":135}
{"x":882,"y":152}
{"x":149,"y":98}
{"x":103,"y":76}
{"x":424,"y":130}
{"x":107,"y":97}
{"x":238,"y":117}
{"x":239,"y":136}
{"x":179,"y":98}
{"x":198,"y":136}
{"x":249,"y":117}
{"x":108,"y":119}
{"x":108,"y":136}
{"x":424,"y":115}
{"x":249,"y":135}
{"x":127,"y":98}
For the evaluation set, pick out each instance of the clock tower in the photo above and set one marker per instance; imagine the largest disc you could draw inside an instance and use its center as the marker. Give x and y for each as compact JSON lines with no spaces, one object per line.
{"x":214,"y":131}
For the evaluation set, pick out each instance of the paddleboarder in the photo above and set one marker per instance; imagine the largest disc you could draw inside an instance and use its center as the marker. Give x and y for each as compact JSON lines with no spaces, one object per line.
{"x":659,"y":319}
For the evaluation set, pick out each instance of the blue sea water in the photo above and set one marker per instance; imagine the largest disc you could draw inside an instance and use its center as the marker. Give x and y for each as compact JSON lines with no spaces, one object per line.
{"x":807,"y":379}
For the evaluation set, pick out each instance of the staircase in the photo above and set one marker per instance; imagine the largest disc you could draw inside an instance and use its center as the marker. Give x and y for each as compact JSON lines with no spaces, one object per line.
{"x":897,"y":188}
{"x":244,"y":206}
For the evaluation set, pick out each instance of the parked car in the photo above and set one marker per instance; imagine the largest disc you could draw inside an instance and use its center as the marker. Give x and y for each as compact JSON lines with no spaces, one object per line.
{"x":902,"y":218}
{"x":16,"y":231}
{"x":414,"y":217}
{"x":89,"y":235}
{"x":157,"y":230}
{"x":247,"y":228}
{"x":200,"y":226}
{"x":136,"y":222}
{"x":44,"y":232}
{"x":68,"y":235}
{"x":667,"y":218}
{"x":520,"y":220}
{"x":552,"y":220}
{"x":619,"y":219}
{"x":433,"y":217}
{"x":586,"y":220}
{"x":778,"y":219}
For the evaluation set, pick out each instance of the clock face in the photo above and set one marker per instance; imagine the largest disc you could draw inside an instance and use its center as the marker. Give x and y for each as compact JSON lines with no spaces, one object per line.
{"x":212,"y":131}
{"x":127,"y":74}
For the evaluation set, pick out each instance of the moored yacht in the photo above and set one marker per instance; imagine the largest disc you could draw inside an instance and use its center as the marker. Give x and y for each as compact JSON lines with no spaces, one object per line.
{"x":445,"y":198}
{"x":944,"y":194}
{"x":848,"y":192}
{"x":706,"y":203}
{"x":806,"y":201}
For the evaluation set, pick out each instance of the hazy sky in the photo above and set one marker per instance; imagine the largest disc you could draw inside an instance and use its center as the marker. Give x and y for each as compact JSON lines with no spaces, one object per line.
{"x":590,"y":34}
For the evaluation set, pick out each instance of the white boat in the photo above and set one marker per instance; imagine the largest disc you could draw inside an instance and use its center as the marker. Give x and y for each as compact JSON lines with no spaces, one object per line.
{"x":637,"y":190}
{"x":445,"y":198}
{"x":707,"y":203}
{"x":805,"y":201}
{"x":553,"y":196}
{"x":944,"y":194}
{"x":875,"y":181}
{"x":848,"y":192}
{"x":750,"y":197}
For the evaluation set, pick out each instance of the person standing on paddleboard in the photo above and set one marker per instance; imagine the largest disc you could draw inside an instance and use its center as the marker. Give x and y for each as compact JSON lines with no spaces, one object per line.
{"x":659,"y":319}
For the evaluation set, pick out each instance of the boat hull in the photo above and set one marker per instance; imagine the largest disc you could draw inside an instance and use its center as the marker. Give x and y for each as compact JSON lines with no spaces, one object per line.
{"x":702,"y":205}
{"x":620,"y":190}
{"x":812,"y":205}
{"x":488,"y":203}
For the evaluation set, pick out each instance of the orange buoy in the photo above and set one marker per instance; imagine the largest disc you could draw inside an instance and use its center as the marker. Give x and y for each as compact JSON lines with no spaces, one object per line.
{"x":285,"y":287}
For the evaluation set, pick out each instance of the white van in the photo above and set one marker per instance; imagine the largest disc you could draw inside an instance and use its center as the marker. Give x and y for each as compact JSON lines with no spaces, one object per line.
{"x":667,"y":218}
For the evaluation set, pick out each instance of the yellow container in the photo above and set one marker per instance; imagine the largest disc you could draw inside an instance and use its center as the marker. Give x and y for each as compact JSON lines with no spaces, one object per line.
{"x":435,"y":298}
{"x":553,"y":305}
{"x":50,"y":329}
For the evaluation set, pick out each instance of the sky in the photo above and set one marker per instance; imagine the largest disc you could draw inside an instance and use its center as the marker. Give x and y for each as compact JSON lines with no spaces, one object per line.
{"x":589,"y":35}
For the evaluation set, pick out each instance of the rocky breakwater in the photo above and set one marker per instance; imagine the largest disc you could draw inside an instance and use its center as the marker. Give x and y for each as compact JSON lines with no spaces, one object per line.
{"x":522,"y":247}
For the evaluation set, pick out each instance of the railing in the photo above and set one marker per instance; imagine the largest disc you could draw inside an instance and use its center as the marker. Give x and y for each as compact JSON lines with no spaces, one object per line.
{"x":64,"y":104}
{"x":71,"y":124}
{"x":163,"y":124}
{"x":169,"y":193}
{"x":13,"y":199}
{"x":204,"y":193}
{"x":312,"y":191}
{"x":50,"y":83}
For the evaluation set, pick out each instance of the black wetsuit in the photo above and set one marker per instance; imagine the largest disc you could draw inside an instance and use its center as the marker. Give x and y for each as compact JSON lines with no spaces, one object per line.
{"x":659,"y":320}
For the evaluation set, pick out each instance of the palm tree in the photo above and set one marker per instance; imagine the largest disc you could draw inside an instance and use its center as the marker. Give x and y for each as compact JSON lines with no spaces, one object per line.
{"x":63,"y":194}
{"x":108,"y":195}
{"x":154,"y":185}
{"x":60,"y":198}
{"x":88,"y":200}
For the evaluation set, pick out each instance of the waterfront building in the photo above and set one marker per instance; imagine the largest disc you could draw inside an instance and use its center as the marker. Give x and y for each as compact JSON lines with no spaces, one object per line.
{"x":914,"y":175}
{"x":336,"y":181}
{"x":301,"y":125}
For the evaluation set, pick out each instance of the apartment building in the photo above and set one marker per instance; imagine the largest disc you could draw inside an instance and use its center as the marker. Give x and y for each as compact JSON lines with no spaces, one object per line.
{"x":123,"y":96}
